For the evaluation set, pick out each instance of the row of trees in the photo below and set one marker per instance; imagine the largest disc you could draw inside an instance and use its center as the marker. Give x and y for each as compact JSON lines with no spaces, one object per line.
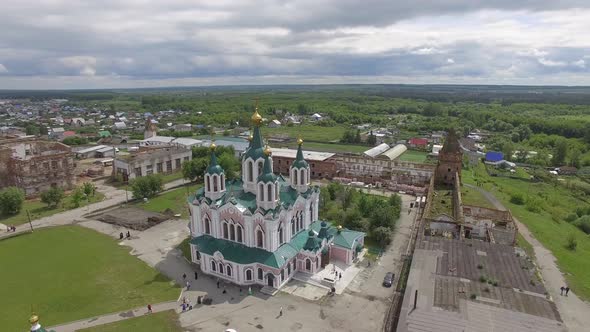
{"x":360,"y":211}
{"x":195,"y":168}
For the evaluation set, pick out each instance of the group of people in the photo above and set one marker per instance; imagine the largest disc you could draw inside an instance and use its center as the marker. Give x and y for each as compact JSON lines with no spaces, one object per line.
{"x":128,"y":236}
{"x":565,"y":289}
{"x":10,"y":228}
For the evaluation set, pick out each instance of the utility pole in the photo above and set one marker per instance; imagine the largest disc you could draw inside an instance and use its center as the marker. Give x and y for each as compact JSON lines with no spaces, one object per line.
{"x":30,"y":223}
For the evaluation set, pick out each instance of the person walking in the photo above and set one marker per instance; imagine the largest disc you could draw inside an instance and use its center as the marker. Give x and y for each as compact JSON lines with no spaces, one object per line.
{"x":149,"y":308}
{"x":188,"y":285}
{"x":249,"y":290}
{"x":217,"y":283}
{"x":184,"y":276}
{"x":281,"y":312}
{"x":121,"y":236}
{"x":224,"y":291}
{"x":128,"y":235}
{"x":340,"y":276}
{"x":562,"y":289}
{"x":196,"y":275}
{"x":567,"y":290}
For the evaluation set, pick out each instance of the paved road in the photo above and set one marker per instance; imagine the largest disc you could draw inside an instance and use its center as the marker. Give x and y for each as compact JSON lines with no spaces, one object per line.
{"x":574,"y":312}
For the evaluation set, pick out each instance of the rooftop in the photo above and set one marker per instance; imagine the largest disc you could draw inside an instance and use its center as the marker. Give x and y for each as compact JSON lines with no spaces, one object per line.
{"x":308,"y":155}
{"x":379,"y":149}
{"x":151,"y":154}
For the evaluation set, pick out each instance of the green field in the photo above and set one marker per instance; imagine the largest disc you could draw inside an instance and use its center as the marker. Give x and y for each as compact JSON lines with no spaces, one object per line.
{"x":413,"y":155}
{"x":308,"y":132}
{"x":38,"y":210}
{"x":548,"y":225}
{"x":165,"y":321}
{"x":69,"y":273}
{"x":174,"y":200}
{"x":331,"y":147}
{"x":171,"y":177}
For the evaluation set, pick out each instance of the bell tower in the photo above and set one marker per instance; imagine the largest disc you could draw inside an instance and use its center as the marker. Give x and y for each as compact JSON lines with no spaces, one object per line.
{"x":450,"y":159}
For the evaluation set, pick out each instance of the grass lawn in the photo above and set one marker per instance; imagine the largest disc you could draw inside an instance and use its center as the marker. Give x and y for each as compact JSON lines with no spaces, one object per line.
{"x":38,"y":209}
{"x":308,"y":132}
{"x":415,"y":156}
{"x":174,"y":200}
{"x":165,"y":321}
{"x":69,"y":273}
{"x":547,"y":225}
{"x":474,"y":197}
{"x":171,"y":177}
{"x":331,"y":147}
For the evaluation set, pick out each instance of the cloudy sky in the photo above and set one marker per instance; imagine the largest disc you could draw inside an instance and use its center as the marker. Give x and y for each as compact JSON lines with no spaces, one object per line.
{"x":142,"y":43}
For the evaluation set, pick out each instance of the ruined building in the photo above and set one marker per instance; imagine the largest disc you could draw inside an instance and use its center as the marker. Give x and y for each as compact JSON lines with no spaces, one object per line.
{"x":35,"y":165}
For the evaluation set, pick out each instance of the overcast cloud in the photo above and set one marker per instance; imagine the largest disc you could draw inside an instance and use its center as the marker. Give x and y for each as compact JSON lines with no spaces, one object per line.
{"x":140,"y":43}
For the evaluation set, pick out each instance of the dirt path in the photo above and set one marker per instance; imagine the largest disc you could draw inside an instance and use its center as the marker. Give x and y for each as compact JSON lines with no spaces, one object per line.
{"x":574,"y":312}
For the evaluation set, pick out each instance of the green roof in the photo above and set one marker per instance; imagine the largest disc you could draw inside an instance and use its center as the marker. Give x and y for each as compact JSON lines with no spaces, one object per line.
{"x":267,"y":174}
{"x":104,"y":133}
{"x":214,"y":168}
{"x":313,"y":243}
{"x":299,"y":162}
{"x":255,"y":149}
{"x":346,"y":238}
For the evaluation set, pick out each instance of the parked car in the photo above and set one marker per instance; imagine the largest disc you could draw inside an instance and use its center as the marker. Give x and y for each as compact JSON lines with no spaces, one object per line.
{"x":388,"y":279}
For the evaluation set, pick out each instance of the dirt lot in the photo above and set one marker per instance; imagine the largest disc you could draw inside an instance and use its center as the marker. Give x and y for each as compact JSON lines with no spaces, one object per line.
{"x":131,"y":217}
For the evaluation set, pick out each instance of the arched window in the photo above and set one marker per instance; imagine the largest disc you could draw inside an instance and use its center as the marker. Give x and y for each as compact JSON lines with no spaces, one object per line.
{"x":302,"y":177}
{"x":198,"y":254}
{"x":248,"y":275}
{"x":207,"y":226}
{"x":222,"y":182}
{"x":225,"y":230}
{"x":282,"y":275}
{"x":239,"y":235}
{"x":293,"y":227}
{"x":300,"y":220}
{"x":261,"y":192}
{"x":228,"y":270}
{"x":311,"y":211}
{"x":259,"y":238}
{"x":276,"y":192}
{"x":259,"y":168}
{"x":213,"y":266}
{"x":281,"y":240}
{"x":269,"y":192}
{"x":289,"y":269}
{"x":308,"y":264}
{"x":260,"y":274}
{"x":295,"y":176}
{"x":308,"y":177}
{"x":215,"y":179}
{"x":232,"y":232}
{"x":220,"y":268}
{"x":250,"y":171}
{"x":208,"y":183}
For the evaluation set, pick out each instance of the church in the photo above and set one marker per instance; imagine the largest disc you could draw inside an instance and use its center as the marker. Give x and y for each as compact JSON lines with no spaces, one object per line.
{"x":262,"y":228}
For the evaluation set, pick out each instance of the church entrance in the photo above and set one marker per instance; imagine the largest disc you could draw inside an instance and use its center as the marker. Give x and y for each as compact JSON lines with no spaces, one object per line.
{"x":270,"y":280}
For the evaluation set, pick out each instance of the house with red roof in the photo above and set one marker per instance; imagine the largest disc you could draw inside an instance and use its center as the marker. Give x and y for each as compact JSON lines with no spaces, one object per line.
{"x":418,"y":143}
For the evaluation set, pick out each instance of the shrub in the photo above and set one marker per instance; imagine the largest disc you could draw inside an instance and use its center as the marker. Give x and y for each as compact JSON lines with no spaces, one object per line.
{"x":572,"y":242}
{"x":473,"y":296}
{"x":533,"y":204}
{"x":583,"y":223}
{"x":146,"y":186}
{"x":52,"y":197}
{"x":382,"y":235}
{"x":517,"y":199}
{"x":571,"y":217}
{"x":483,"y":279}
{"x":11,"y":200}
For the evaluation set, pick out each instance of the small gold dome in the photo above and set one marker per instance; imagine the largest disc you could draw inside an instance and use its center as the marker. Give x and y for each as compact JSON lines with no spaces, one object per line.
{"x":250,"y":138}
{"x":267,"y":151}
{"x":34,"y":319}
{"x":212,"y":146}
{"x":256,"y":117}
{"x":299,"y":141}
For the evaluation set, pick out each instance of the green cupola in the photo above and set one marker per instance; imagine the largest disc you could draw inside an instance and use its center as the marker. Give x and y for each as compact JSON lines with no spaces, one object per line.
{"x":267,"y":174}
{"x":214,"y":167}
{"x":299,"y":162}
{"x":313,"y":243}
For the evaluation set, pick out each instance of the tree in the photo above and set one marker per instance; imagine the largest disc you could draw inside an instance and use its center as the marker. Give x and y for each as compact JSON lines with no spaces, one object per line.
{"x":507,"y":150}
{"x":575,"y":157}
{"x":77,"y":196}
{"x":147,"y":186}
{"x":11,"y":200}
{"x":230,"y":164}
{"x":193,"y":169}
{"x":559,"y":152}
{"x":52,"y":197}
{"x":89,"y":189}
{"x":382,"y":235}
{"x":382,"y":216}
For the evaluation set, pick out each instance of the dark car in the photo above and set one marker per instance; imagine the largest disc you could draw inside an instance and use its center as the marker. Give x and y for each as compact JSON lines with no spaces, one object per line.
{"x":388,"y":279}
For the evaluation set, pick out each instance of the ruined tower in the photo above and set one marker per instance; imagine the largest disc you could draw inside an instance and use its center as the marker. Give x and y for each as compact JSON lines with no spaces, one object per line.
{"x":450,"y":158}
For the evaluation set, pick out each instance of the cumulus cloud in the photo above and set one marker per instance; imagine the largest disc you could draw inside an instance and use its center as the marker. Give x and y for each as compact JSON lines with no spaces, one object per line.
{"x":150,"y":43}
